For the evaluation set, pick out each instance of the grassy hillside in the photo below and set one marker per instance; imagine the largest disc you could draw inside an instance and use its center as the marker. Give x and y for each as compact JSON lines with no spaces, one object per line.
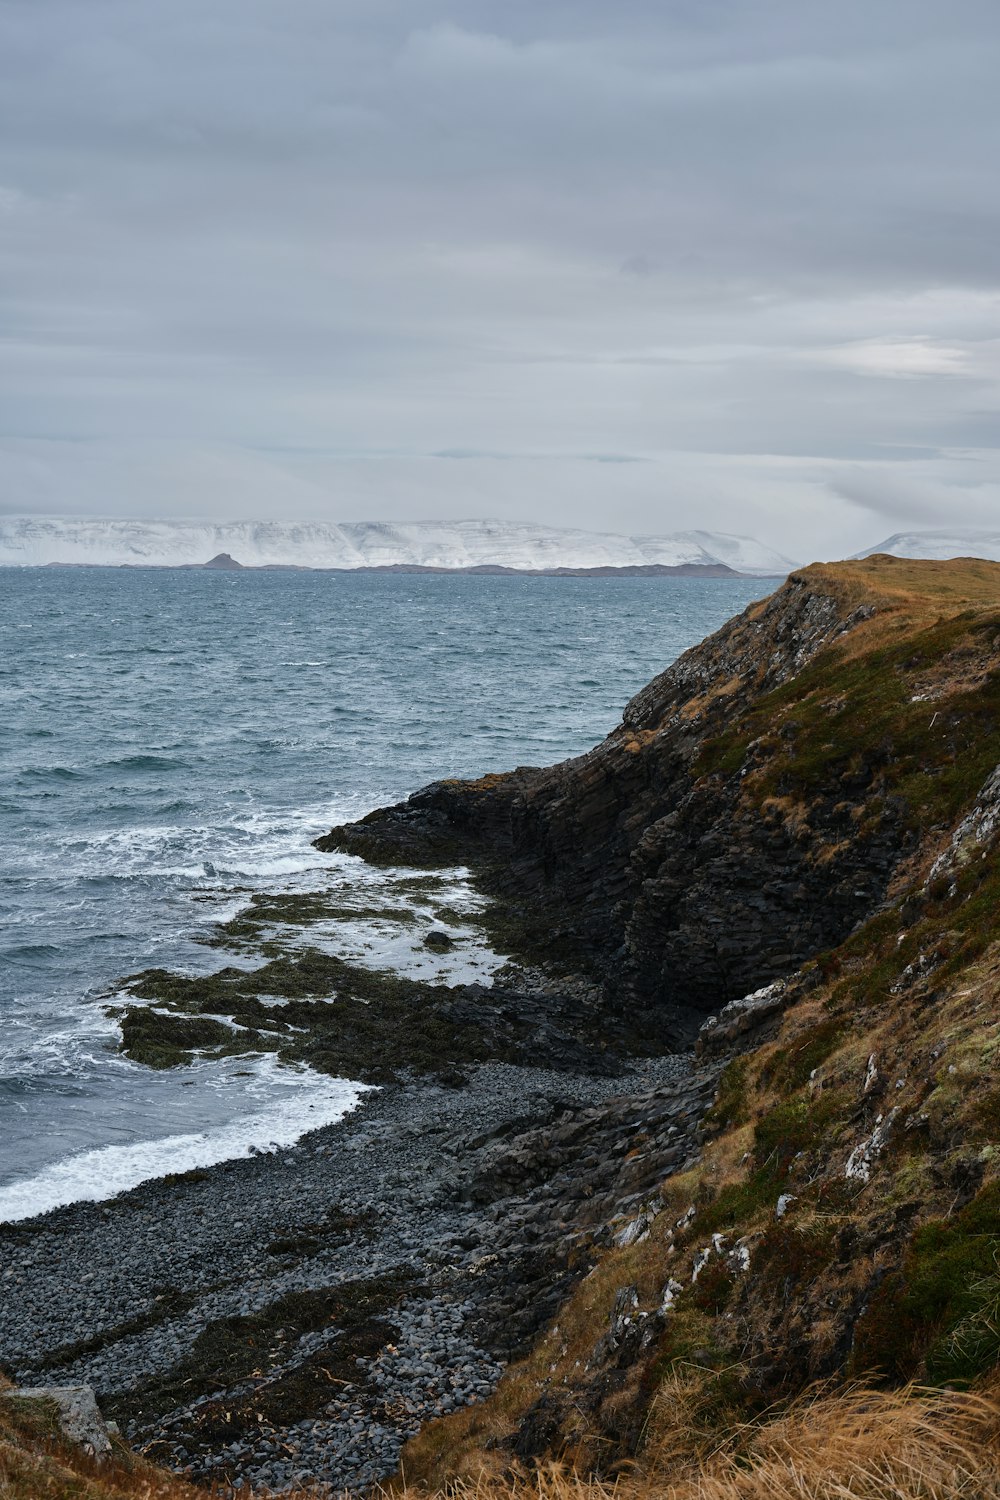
{"x":844,"y":1218}
{"x":861,"y":1444}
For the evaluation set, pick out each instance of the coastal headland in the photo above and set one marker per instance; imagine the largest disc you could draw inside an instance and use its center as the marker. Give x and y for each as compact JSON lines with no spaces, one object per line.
{"x":726,"y":1124}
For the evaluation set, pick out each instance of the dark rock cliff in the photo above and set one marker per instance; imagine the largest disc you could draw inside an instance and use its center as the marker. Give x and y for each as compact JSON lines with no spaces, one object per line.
{"x":686,"y":879}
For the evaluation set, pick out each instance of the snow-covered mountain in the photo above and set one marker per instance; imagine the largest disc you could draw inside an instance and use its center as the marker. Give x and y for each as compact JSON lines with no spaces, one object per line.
{"x":39,"y":540}
{"x":956,"y":542}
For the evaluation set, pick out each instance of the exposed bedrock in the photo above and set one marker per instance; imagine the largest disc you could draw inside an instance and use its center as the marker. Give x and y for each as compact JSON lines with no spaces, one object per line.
{"x":669,"y":856}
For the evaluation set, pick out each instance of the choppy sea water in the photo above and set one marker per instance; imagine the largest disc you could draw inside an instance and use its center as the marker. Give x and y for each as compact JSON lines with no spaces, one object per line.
{"x":170,"y":744}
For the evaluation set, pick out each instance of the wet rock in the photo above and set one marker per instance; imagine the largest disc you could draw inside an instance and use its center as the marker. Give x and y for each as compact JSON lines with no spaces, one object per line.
{"x":683,"y":892}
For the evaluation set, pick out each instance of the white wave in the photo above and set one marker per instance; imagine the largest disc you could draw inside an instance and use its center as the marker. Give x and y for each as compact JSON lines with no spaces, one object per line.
{"x":261,"y":866}
{"x":225,"y":907}
{"x":366,"y":932}
{"x":251,"y":845}
{"x":58,"y":1046}
{"x":388,"y":947}
{"x":288,"y":1103}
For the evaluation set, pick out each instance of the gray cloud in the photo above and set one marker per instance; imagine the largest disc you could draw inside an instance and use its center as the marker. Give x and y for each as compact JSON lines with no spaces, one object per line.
{"x":928,"y":493}
{"x":253,"y":250}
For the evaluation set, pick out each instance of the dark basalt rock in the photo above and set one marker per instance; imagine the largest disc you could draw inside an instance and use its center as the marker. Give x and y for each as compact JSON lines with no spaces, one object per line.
{"x":683,"y":892}
{"x":447,"y":823}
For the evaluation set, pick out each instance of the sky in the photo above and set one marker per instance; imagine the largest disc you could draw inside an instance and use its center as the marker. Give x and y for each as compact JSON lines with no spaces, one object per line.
{"x":635,"y":266}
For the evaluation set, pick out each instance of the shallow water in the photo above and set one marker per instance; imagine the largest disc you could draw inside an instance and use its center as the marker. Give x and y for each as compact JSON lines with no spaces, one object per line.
{"x":171,"y":742}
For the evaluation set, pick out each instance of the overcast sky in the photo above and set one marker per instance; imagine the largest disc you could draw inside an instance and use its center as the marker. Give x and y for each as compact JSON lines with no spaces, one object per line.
{"x":635,"y":266}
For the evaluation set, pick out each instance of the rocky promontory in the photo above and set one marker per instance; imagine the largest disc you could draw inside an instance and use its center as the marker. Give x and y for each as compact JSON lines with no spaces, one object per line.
{"x":749,"y":811}
{"x":793,"y":840}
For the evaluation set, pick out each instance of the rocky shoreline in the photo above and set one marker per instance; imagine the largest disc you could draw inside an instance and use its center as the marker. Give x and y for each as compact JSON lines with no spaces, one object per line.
{"x":784,"y":851}
{"x":297,"y":1316}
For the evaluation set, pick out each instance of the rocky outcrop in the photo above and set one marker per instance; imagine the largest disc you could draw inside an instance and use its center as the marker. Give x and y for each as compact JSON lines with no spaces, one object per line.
{"x":685,"y":884}
{"x":826,"y":766}
{"x":973,"y":835}
{"x":75,"y":1411}
{"x":742,"y":1018}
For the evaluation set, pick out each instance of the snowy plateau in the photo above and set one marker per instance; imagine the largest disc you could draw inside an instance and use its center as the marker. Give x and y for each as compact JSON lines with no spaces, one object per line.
{"x":33,"y":541}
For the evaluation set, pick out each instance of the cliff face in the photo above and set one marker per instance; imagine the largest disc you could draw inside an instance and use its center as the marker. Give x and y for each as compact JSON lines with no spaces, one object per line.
{"x":815,"y":792}
{"x":755,"y":802}
{"x":696,"y":891}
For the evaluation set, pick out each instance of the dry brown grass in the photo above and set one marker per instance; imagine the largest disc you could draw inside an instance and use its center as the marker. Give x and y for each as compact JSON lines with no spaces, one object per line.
{"x":908,"y":595}
{"x":858,"y":1445}
{"x":35,"y":1464}
{"x":920,"y":587}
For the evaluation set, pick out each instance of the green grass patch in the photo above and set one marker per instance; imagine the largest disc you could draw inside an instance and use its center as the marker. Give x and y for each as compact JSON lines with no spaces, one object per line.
{"x":738,"y":1205}
{"x":792,"y":1066}
{"x":850,"y":723}
{"x":730,"y":1106}
{"x":793,"y":1127}
{"x":941,"y":1310}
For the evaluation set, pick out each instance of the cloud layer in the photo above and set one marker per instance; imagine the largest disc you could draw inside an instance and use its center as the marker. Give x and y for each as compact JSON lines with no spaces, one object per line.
{"x":643,"y":267}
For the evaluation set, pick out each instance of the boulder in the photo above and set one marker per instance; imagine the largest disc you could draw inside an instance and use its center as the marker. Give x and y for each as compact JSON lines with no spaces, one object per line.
{"x":741,"y":1016}
{"x":77,"y":1413}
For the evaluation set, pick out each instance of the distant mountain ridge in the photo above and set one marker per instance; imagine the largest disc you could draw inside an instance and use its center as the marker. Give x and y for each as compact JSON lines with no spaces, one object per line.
{"x":956,"y":541}
{"x":37,"y":541}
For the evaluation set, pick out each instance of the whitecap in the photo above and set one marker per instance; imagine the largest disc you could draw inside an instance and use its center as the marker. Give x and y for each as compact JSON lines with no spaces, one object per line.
{"x":285,"y":1104}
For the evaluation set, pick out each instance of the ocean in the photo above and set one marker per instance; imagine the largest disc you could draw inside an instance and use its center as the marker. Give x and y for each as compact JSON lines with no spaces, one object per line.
{"x":170,"y":744}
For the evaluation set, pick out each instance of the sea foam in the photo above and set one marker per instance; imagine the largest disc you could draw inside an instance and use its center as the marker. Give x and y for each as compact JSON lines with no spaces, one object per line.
{"x":284,"y":1104}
